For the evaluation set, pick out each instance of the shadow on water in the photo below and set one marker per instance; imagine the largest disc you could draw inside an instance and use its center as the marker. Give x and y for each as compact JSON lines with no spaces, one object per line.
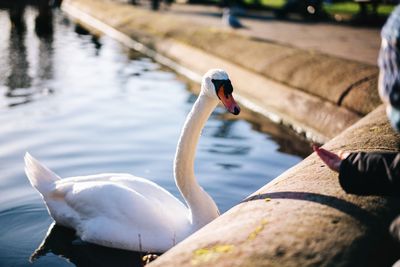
{"x":63,"y":242}
{"x":288,"y":140}
{"x":19,"y":81}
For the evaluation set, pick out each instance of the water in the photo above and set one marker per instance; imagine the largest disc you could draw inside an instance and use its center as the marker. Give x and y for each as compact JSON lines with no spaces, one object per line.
{"x":84,"y":105}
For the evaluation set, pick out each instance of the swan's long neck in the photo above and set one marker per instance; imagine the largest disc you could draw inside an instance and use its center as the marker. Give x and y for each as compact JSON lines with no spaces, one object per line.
{"x":202,"y":207}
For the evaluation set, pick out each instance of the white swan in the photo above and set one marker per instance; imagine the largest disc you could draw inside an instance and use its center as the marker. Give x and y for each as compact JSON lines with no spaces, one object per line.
{"x":128,"y":212}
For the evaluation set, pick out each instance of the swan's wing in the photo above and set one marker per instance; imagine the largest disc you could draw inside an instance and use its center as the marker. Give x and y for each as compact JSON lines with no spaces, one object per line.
{"x":142,"y":186}
{"x":120,"y":212}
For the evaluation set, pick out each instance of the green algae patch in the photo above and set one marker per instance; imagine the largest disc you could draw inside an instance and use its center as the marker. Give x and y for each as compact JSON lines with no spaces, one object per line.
{"x":257,"y":230}
{"x":204,"y":255}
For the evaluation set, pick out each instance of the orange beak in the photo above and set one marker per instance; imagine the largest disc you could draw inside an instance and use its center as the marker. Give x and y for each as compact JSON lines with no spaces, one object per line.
{"x":228,"y":101}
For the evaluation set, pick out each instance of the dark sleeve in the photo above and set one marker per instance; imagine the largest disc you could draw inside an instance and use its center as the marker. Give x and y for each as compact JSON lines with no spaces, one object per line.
{"x":371,"y":173}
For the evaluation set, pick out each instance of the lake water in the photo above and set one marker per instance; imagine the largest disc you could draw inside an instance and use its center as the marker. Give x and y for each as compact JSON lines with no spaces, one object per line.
{"x":84,"y":105}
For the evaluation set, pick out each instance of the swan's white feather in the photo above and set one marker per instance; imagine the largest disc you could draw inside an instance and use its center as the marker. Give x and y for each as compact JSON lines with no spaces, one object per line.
{"x":39,"y":175}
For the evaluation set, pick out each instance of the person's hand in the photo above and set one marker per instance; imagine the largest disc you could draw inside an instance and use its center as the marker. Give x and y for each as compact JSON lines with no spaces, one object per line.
{"x":331,"y":159}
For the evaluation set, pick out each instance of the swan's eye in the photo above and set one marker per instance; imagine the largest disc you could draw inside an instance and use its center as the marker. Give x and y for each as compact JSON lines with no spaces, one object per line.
{"x":224,"y":92}
{"x":228,"y":89}
{"x":226,"y":84}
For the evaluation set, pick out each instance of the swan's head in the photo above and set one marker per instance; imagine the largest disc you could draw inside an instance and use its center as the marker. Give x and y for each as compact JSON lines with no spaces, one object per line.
{"x":216,"y":84}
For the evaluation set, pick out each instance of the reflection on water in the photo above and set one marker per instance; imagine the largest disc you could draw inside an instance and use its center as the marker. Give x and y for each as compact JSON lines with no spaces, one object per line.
{"x":225,"y":131}
{"x":18,"y":62}
{"x":44,"y":19}
{"x":83,"y":105}
{"x":229,"y":150}
{"x":289,"y":142}
{"x":94,"y":39}
{"x":63,"y":242}
{"x":22,"y":82}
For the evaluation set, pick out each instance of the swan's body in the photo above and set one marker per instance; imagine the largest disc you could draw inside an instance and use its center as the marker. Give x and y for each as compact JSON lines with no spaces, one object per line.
{"x":128,"y":212}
